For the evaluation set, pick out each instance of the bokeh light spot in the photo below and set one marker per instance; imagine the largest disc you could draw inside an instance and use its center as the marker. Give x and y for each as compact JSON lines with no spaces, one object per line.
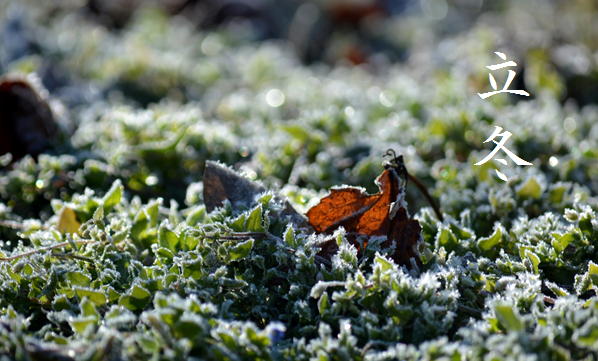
{"x":275,"y":98}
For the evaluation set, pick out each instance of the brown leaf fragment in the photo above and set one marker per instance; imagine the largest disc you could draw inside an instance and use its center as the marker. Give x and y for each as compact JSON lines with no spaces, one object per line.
{"x":26,"y":121}
{"x":381,"y":214}
{"x":221,"y":182}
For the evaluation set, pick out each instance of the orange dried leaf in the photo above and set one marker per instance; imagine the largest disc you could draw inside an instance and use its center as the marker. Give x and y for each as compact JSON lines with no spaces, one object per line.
{"x":381,"y":214}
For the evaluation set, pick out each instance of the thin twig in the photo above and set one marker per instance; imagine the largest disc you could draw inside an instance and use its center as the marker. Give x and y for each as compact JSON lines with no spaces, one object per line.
{"x":12,"y":224}
{"x":72,"y":256}
{"x":270,"y":237}
{"x":63,"y":244}
{"x":399,"y":164}
{"x":323,"y":260}
{"x":469,"y":310}
{"x":244,"y":235}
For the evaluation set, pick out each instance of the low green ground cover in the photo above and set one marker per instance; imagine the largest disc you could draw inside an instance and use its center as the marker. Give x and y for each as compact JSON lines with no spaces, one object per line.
{"x":511,"y":273}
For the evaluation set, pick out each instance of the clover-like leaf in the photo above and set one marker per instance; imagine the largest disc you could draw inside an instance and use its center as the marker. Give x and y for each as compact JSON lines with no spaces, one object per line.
{"x":78,"y":279}
{"x":508,"y":318}
{"x":97,"y":297}
{"x":169,"y":239}
{"x":254,"y":222}
{"x":113,"y":196}
{"x":240,"y":250}
{"x":487,"y":243}
{"x":138,"y":298}
{"x":530,"y":189}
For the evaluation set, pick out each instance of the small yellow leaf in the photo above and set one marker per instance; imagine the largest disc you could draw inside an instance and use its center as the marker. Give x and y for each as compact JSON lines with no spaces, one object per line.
{"x":67,"y":222}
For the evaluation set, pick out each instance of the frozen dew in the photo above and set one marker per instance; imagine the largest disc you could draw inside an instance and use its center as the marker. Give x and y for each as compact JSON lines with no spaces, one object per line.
{"x":383,"y":134}
{"x":93,"y":88}
{"x":66,"y":41}
{"x":569,"y":125}
{"x":426,"y":147}
{"x":275,"y":98}
{"x":394,"y":119}
{"x":244,"y":151}
{"x":435,"y":9}
{"x":248,"y":173}
{"x":469,"y":136}
{"x":212,"y":44}
{"x":313,"y":81}
{"x":346,"y":326}
{"x":99,"y":33}
{"x":556,"y":145}
{"x":151,"y":180}
{"x":553,"y":161}
{"x":584,"y":146}
{"x":387,"y":98}
{"x":448,"y":49}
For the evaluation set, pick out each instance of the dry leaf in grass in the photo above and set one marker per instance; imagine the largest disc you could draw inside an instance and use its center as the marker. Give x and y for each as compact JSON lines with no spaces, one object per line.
{"x":362,"y":214}
{"x":26,"y":121}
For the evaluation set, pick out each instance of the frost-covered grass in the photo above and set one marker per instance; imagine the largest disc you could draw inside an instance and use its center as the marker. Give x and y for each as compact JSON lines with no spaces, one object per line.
{"x":511,"y":273}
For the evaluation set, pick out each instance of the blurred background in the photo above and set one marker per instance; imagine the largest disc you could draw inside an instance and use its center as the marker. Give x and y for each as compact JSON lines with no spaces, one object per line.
{"x":299,"y":94}
{"x":554,"y":42}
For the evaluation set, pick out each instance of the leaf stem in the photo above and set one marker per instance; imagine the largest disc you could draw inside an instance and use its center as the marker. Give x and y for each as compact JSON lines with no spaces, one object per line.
{"x":63,"y":244}
{"x":12,"y":224}
{"x":424,"y":191}
{"x":470,"y":311}
{"x":70,"y":255}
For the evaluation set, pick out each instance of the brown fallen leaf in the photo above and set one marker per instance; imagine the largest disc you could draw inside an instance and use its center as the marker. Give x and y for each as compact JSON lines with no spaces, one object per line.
{"x":361,"y":214}
{"x":221,"y":182}
{"x":26,"y":120}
